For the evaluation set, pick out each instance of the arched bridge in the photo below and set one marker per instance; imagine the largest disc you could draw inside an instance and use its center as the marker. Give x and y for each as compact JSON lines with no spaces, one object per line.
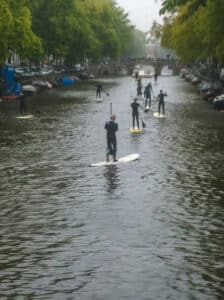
{"x":117,"y":68}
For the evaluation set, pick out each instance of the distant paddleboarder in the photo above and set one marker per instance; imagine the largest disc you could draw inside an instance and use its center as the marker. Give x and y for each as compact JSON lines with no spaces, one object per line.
{"x":147,"y":94}
{"x":135,"y":114}
{"x":160,"y":98}
{"x":22,"y":104}
{"x":139,"y":88}
{"x":99,"y":89}
{"x":155,"y":76}
{"x":111,"y":128}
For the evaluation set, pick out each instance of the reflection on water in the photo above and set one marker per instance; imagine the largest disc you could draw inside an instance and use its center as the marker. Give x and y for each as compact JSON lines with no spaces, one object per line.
{"x":111,"y":175}
{"x":161,"y":236}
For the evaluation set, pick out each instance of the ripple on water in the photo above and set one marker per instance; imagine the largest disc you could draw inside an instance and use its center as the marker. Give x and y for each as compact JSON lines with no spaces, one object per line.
{"x":149,"y":229}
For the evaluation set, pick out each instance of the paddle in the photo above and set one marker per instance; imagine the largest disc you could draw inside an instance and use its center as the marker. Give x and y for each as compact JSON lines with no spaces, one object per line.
{"x":143,"y":124}
{"x":111,"y":109}
{"x":106,"y":93}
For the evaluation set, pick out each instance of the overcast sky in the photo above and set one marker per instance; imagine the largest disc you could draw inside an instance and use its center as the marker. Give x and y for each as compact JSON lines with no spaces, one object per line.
{"x":142,"y":13}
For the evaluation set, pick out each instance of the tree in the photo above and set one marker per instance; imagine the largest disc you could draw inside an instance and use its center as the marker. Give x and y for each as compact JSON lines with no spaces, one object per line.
{"x":155,"y":30}
{"x":195,"y":28}
{"x":76,"y":29}
{"x":15,"y":30}
{"x":137,"y":45}
{"x":6,"y":27}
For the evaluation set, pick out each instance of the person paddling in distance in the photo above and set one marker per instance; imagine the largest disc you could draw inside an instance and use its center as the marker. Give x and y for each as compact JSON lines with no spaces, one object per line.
{"x":135,"y":114}
{"x":147,"y":94}
{"x":111,"y":128}
{"x":99,"y":90}
{"x":160,"y":98}
{"x":155,"y":76}
{"x":22,"y":104}
{"x":139,"y":88}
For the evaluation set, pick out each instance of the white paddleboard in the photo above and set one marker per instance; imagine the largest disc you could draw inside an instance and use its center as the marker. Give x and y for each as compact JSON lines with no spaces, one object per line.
{"x":99,"y":99}
{"x":136,"y":130}
{"x":124,"y":159}
{"x":157,"y":115}
{"x":24,"y":117}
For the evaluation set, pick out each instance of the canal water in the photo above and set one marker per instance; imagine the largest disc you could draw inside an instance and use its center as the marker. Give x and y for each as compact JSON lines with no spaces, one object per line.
{"x":144,"y":230}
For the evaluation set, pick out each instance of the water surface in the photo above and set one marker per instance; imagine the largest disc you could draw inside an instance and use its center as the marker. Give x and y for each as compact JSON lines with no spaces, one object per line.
{"x":150,"y":229}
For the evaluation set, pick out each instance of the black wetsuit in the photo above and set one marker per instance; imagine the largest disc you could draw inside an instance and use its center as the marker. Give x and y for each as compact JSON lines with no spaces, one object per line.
{"x":111,"y":128}
{"x":155,"y":76}
{"x":139,"y":91}
{"x":147,"y":94}
{"x":22,"y":104}
{"x":161,"y":102}
{"x":99,"y":89}
{"x":134,"y":107}
{"x":139,"y":88}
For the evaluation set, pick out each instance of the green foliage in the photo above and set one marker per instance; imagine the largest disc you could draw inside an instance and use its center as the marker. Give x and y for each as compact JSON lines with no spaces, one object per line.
{"x":196,"y":30}
{"x":15,"y":30}
{"x":172,"y":6}
{"x":6,"y":27}
{"x":137,"y":45}
{"x":155,"y":30}
{"x":77,"y":29}
{"x":71,"y":30}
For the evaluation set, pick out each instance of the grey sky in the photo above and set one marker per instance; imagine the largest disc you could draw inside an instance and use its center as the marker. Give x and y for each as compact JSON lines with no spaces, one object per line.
{"x":142,"y":12}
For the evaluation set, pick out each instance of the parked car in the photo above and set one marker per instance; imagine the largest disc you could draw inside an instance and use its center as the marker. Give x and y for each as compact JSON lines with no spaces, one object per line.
{"x":29,"y":89}
{"x":78,"y":67}
{"x":218,"y":102}
{"x":189,"y":77}
{"x":42,"y":84}
{"x":210,"y":94}
{"x":47,"y":70}
{"x":23,"y":72}
{"x":184,"y":72}
{"x":195,"y":80}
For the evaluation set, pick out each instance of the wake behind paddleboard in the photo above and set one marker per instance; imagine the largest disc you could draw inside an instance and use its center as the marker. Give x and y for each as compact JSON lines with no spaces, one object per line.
{"x":24,"y":117}
{"x":136,"y":130}
{"x":157,"y":115}
{"x":124,"y":159}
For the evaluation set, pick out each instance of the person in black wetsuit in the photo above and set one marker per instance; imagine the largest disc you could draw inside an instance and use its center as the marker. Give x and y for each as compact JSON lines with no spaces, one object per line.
{"x":135,"y":106}
{"x":147,"y":94}
{"x":99,"y":90}
{"x":139,"y":88}
{"x":111,"y":128}
{"x":160,"y":97}
{"x":22,"y":104}
{"x":155,"y":76}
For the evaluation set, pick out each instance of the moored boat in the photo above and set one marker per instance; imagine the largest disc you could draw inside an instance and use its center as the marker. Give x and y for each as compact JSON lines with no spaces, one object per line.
{"x":218,"y":102}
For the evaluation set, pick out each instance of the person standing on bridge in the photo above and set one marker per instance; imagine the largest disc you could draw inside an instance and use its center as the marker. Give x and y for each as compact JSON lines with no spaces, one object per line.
{"x":160,"y":98}
{"x":111,"y":128}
